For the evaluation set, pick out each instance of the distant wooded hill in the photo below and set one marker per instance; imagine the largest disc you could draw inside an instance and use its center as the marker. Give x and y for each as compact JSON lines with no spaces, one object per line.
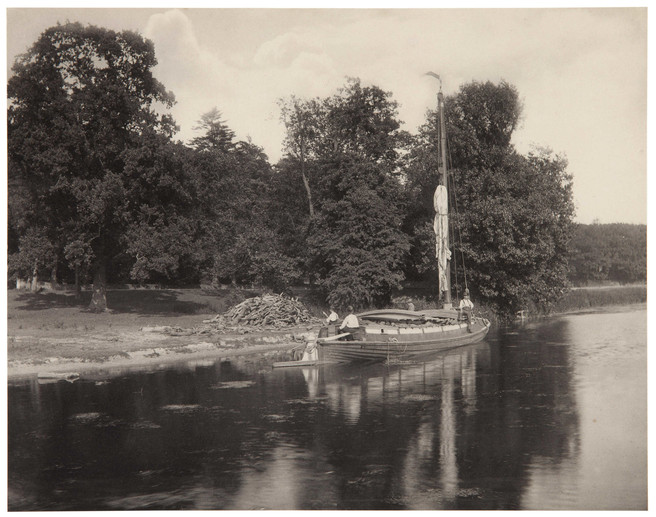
{"x":602,"y":253}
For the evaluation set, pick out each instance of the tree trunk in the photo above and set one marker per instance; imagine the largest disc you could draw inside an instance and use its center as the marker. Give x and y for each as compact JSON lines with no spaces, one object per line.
{"x":99,"y":296}
{"x":53,"y":272}
{"x":34,"y":288}
{"x":78,"y":290}
{"x":305,"y":180}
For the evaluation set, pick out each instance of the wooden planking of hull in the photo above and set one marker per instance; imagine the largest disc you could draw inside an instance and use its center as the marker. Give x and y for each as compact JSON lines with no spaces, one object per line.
{"x":382,"y":347}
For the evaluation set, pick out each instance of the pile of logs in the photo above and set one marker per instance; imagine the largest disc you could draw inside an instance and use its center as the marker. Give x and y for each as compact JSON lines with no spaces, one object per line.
{"x":269,"y":310}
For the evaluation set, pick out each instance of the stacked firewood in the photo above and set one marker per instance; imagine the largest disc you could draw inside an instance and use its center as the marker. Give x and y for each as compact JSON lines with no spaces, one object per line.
{"x":269,"y":310}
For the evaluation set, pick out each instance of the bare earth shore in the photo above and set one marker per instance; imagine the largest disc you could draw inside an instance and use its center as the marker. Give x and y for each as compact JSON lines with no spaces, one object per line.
{"x":52,"y":334}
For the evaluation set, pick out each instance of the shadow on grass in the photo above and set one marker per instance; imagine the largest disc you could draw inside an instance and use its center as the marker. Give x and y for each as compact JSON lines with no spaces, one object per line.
{"x":155,"y":302}
{"x":43,"y":301}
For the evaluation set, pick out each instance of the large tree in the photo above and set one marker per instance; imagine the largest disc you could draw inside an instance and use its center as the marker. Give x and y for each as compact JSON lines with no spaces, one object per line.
{"x":236,"y":222}
{"x":301,"y":119}
{"x":90,"y":151}
{"x":350,"y":143}
{"x":512,"y":213}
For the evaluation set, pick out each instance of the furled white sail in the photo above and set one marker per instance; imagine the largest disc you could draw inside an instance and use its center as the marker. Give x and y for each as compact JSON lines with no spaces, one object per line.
{"x":441,"y":228}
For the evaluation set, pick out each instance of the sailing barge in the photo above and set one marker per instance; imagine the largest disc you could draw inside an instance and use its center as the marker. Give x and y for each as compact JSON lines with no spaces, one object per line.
{"x":388,"y":333}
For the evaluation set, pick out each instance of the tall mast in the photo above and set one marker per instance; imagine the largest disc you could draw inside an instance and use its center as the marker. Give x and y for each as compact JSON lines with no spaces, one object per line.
{"x":444,"y":177}
{"x":441,"y":204}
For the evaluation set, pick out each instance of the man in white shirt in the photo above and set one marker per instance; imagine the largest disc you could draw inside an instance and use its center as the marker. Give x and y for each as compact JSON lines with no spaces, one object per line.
{"x":350,"y":324}
{"x":466,"y":307}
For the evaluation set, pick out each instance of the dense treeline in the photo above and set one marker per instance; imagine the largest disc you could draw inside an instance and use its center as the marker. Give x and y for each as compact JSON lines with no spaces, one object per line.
{"x":603,"y":253}
{"x":99,"y":189}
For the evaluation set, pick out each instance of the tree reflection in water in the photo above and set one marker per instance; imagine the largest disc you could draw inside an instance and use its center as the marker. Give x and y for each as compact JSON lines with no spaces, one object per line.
{"x":474,"y":428}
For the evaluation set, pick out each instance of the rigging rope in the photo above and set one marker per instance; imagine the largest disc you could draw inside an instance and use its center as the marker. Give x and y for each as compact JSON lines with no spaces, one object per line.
{"x":462,"y":253}
{"x":453,"y":237}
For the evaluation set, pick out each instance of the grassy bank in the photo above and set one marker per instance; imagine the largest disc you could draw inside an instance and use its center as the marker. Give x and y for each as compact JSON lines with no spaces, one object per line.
{"x":588,"y":297}
{"x":47,"y":324}
{"x":52,"y":331}
{"x":579,"y":298}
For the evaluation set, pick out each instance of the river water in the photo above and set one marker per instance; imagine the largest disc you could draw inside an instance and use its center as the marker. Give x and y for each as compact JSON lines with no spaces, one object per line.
{"x":550,"y":415}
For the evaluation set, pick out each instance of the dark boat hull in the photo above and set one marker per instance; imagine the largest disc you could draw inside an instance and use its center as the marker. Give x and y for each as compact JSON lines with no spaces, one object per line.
{"x":386,"y":346}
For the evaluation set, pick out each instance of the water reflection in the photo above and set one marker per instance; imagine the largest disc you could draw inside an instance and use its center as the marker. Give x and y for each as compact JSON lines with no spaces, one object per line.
{"x":497,"y":425}
{"x":610,"y":383}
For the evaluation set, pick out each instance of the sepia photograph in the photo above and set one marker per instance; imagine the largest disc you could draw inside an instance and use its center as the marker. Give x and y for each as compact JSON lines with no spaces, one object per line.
{"x":334,"y":258}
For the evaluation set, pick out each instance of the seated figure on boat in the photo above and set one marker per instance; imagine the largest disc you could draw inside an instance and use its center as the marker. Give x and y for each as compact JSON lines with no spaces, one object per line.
{"x":332,"y":317}
{"x":466,"y":307}
{"x":350,"y":324}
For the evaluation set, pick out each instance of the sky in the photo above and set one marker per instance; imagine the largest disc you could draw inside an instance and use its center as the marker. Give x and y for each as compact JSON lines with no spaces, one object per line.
{"x":581,"y":74}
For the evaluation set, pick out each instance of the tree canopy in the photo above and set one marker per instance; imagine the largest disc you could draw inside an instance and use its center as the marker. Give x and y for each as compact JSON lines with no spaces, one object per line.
{"x":90,"y":152}
{"x":97,"y":185}
{"x":216,"y":136}
{"x":356,"y":246}
{"x":602,"y":253}
{"x":512,"y":213}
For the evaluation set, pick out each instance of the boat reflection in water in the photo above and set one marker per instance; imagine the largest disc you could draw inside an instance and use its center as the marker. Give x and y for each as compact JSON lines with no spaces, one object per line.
{"x":461,"y":429}
{"x":412,"y":435}
{"x":508,"y":423}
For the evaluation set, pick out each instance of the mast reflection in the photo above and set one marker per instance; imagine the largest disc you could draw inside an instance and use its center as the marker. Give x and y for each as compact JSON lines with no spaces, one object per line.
{"x":473,"y":428}
{"x":466,"y":423}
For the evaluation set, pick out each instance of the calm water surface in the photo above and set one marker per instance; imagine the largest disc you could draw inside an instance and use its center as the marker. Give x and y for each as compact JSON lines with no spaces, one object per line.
{"x":551,"y":415}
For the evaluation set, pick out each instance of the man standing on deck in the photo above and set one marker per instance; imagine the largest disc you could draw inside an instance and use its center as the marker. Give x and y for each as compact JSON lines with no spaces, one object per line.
{"x":350,"y":324}
{"x":466,"y":307}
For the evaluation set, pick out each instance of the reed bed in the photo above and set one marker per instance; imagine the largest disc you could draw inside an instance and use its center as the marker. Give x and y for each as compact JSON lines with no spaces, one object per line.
{"x":585,"y":298}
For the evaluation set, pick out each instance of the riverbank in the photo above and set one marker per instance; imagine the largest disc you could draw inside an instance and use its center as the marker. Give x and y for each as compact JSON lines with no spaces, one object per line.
{"x":580,"y":298}
{"x":577,"y":299}
{"x":51,"y":333}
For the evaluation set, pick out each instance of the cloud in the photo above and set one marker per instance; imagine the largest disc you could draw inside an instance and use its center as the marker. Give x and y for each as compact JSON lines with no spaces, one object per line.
{"x":581,"y":72}
{"x":284,"y":49}
{"x":174,"y":35}
{"x":199,"y":79}
{"x":183,"y":62}
{"x":244,"y":88}
{"x":575,"y":69}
